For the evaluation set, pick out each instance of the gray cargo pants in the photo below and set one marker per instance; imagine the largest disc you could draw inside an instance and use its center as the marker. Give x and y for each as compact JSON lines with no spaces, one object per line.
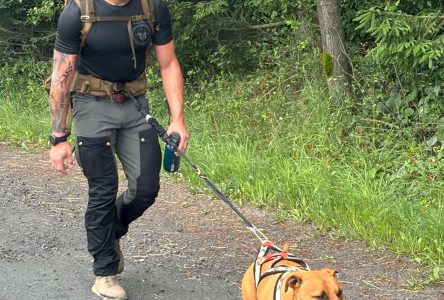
{"x":104,"y":130}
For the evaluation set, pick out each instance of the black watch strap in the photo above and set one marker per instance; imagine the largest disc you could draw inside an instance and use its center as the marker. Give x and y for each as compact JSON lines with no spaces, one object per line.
{"x":54,"y":140}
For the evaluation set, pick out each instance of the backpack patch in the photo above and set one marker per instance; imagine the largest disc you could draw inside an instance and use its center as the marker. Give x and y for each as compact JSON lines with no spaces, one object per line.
{"x":142,"y":33}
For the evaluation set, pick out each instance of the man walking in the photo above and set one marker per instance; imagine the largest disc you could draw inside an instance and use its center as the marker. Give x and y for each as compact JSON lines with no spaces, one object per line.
{"x":99,"y":58}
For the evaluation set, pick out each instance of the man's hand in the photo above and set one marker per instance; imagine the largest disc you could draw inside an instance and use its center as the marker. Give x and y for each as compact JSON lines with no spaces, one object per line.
{"x":179,"y":127}
{"x":60,"y":156}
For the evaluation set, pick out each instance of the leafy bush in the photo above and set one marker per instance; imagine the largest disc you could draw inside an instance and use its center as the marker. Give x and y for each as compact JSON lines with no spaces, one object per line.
{"x":238,"y":36}
{"x":27,"y":28}
{"x":406,"y":54}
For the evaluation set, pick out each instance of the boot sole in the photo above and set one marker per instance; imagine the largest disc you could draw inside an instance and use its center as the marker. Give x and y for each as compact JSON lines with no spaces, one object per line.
{"x":93,"y":289}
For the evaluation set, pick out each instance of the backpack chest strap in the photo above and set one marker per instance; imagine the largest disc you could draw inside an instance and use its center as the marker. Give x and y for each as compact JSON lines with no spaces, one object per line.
{"x":93,"y":19}
{"x":88,"y":18}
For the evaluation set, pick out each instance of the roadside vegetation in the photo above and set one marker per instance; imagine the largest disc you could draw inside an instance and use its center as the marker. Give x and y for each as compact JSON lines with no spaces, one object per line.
{"x":265,"y":124}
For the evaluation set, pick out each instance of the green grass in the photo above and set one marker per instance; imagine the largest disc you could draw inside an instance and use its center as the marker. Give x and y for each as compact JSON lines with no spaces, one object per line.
{"x":295,"y":153}
{"x":286,"y":144}
{"x":22,"y":125}
{"x":24,"y":109}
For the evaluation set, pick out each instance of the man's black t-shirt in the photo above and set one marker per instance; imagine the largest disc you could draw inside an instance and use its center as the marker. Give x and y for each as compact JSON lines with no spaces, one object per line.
{"x":107,"y":52}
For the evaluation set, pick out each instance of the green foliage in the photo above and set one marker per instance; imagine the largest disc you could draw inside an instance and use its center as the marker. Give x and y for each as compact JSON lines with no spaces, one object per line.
{"x":45,"y":12}
{"x":209,"y":8}
{"x":233,"y":35}
{"x":406,"y":54}
{"x":31,"y":11}
{"x":400,"y":76}
{"x":27,"y":28}
{"x":418,"y":39}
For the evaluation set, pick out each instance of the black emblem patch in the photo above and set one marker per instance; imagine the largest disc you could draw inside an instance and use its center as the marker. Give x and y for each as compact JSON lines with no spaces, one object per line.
{"x":141,"y":33}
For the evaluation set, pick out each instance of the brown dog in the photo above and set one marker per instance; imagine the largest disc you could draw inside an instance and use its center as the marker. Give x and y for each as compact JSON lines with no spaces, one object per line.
{"x":278,"y":275}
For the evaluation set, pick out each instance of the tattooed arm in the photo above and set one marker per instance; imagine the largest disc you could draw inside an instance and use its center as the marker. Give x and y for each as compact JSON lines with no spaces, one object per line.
{"x":64,"y":68}
{"x":63,"y":71}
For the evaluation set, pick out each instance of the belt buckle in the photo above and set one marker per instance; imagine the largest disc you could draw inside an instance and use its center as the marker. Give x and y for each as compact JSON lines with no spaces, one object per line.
{"x":118,"y":96}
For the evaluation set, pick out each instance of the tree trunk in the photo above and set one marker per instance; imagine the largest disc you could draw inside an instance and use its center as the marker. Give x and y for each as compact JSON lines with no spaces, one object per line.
{"x":335,"y":61}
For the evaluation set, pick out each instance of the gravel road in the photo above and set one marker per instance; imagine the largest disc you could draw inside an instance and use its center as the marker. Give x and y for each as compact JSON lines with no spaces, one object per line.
{"x":184,"y":247}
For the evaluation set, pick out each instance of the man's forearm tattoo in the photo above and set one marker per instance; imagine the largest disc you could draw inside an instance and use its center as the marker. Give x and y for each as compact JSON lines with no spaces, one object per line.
{"x":63,"y":72}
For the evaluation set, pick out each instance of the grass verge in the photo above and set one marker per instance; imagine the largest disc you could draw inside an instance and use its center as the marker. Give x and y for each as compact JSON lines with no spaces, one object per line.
{"x":298,"y":153}
{"x":277,"y":142}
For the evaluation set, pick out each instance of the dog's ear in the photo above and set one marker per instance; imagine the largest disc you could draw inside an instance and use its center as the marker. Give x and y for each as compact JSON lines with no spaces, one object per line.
{"x":293,"y":280}
{"x":285,"y":247}
{"x":332,"y":272}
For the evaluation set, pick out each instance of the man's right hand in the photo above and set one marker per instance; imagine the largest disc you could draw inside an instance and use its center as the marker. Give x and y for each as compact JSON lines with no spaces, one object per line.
{"x":60,"y":156}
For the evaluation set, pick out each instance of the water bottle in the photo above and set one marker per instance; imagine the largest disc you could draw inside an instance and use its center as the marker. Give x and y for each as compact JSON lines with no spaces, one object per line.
{"x":171,"y":161}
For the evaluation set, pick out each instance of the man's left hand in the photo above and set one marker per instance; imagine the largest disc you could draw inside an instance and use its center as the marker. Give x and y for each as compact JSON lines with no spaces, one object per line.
{"x":179,"y":127}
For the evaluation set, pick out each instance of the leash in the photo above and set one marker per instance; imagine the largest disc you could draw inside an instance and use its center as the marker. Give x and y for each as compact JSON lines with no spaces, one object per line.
{"x":169,"y":141}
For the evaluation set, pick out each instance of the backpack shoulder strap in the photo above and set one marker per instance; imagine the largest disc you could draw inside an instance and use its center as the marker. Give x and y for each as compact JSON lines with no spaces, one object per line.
{"x":86,"y":9}
{"x":149,"y":11}
{"x":87,"y":16}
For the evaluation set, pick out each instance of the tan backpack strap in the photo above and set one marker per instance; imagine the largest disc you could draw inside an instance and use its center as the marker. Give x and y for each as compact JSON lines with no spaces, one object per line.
{"x":119,"y":18}
{"x":145,"y":7}
{"x":131,"y":39}
{"x":87,"y":16}
{"x":90,"y":7}
{"x":87,"y":13}
{"x":152,"y":12}
{"x":148,"y":10}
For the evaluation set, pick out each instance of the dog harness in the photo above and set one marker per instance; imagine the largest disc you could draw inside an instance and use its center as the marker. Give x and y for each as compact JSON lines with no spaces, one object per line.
{"x":269,"y":252}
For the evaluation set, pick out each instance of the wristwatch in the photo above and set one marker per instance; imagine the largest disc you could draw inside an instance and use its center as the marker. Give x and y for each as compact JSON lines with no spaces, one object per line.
{"x":54,"y":140}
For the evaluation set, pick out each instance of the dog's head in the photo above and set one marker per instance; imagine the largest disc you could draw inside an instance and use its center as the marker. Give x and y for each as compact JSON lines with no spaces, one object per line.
{"x":311,"y":285}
